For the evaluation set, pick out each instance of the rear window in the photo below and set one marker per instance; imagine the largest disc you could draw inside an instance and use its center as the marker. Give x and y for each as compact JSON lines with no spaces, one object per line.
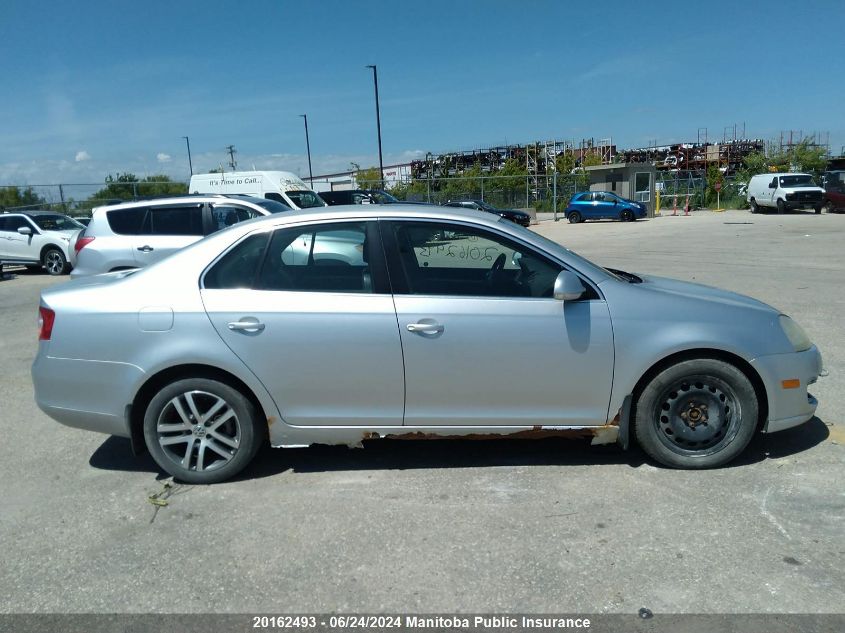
{"x":127,"y":221}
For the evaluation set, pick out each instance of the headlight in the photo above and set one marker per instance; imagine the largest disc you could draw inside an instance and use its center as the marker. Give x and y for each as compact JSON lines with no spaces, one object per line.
{"x":795,"y":333}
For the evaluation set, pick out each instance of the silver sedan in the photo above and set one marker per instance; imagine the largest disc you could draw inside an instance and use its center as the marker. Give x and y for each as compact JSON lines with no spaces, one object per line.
{"x":337,"y":325}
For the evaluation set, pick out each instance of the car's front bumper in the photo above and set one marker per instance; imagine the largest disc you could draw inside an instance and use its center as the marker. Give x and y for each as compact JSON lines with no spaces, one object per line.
{"x":789,"y":407}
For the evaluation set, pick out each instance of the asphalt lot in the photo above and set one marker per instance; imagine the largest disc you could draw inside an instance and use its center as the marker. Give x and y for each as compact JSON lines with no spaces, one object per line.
{"x":451,"y":526}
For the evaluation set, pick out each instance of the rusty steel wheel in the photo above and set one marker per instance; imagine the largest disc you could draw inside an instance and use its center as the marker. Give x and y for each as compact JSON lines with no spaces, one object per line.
{"x":696,"y":414}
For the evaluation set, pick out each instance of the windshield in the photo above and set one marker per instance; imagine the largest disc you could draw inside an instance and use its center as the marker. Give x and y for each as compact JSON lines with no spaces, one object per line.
{"x":56,"y":223}
{"x":797,"y":181}
{"x":382,"y":197}
{"x":305,"y":199}
{"x":487,"y":207}
{"x":272,"y":205}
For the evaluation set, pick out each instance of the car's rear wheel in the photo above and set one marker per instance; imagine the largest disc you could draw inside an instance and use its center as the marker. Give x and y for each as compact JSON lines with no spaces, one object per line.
{"x":626,"y":216}
{"x":54,"y":261}
{"x":202,"y":431}
{"x":698,"y":413}
{"x":754,"y":207}
{"x":574,"y":217}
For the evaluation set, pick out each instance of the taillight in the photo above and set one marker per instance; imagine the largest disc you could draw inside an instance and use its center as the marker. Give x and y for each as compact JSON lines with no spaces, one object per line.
{"x":81,"y":243}
{"x":46,"y":318}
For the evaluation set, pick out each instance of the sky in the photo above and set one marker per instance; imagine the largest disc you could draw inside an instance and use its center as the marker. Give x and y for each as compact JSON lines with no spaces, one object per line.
{"x":95,"y":88}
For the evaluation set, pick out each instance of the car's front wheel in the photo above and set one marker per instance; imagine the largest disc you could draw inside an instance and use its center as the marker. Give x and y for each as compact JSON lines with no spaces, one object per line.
{"x":781,"y":206}
{"x":626,"y":216}
{"x":574,"y":217}
{"x":698,"y":413}
{"x":54,"y":261}
{"x":202,"y":431}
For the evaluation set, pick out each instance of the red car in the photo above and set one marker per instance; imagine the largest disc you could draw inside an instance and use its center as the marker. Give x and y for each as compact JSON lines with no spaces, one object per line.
{"x":834,"y":190}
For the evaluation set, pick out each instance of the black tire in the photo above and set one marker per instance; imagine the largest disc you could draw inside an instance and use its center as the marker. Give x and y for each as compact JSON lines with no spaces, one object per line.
{"x":574,"y":217}
{"x":754,"y":207}
{"x":781,"y":207}
{"x":666,"y":429}
{"x":818,"y":209}
{"x":54,"y":262}
{"x":214,"y":449}
{"x":626,"y":216}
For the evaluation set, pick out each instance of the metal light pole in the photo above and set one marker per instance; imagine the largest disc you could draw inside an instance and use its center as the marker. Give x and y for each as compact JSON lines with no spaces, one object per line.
{"x":308,"y":147}
{"x":378,"y":128}
{"x":190,"y":165}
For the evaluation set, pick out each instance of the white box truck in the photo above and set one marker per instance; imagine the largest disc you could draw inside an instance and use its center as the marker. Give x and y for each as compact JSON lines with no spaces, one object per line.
{"x":282,"y":186}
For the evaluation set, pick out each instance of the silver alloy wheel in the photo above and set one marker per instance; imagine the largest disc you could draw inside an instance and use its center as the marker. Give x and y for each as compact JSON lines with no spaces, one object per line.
{"x":54,"y":262}
{"x":198,"y":431}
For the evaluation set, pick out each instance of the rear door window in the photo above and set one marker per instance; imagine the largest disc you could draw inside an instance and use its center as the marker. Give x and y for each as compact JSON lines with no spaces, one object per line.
{"x":176,"y":220}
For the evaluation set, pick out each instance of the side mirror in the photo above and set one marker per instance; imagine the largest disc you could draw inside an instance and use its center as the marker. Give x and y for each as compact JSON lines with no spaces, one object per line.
{"x":25,"y":230}
{"x":568,"y":286}
{"x":772,"y":185}
{"x":516,"y":257}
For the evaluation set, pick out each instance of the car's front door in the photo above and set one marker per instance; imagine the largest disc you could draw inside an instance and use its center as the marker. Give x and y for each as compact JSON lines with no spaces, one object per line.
{"x":308,"y":309}
{"x":484,"y":342}
{"x":15,"y":246}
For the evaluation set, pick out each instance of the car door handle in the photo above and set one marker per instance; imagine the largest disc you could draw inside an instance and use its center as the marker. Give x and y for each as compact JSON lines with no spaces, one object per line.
{"x":246,"y":326}
{"x":425,"y":328}
{"x":146,"y":248}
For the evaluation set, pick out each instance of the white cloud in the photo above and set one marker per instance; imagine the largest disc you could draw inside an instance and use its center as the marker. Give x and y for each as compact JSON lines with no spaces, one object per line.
{"x":163,"y":158}
{"x":82,"y":155}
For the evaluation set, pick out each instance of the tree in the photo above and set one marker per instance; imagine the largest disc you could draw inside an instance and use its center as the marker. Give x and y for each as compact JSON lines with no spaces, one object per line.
{"x":591,"y":160}
{"x":369,"y":178}
{"x":565,"y":162}
{"x":14,"y":197}
{"x":127,"y":186}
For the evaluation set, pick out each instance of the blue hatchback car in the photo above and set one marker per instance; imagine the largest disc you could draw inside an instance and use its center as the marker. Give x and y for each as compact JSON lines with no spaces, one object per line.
{"x":600,"y":205}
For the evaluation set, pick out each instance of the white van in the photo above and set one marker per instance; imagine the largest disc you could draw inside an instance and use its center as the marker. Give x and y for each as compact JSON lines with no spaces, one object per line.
{"x":281,"y":186}
{"x":784,"y":192}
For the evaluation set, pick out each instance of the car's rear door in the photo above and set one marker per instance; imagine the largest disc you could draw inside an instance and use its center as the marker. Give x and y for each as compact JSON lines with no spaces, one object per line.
{"x":308,"y":309}
{"x":484,"y":342}
{"x":168,"y":228}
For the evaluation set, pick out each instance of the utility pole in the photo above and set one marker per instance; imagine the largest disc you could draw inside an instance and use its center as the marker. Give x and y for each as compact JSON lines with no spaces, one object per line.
{"x":232,"y":151}
{"x":378,"y":128}
{"x":190,"y":165}
{"x":308,"y":147}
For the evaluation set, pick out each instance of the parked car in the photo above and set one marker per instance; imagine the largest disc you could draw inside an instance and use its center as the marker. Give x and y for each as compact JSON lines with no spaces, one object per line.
{"x":784,"y":192}
{"x":136,"y":234}
{"x":518,"y":217}
{"x":834,"y":191}
{"x":37,"y":239}
{"x":603,"y":205}
{"x":236,"y":341}
{"x":282,"y":186}
{"x":358,"y":196}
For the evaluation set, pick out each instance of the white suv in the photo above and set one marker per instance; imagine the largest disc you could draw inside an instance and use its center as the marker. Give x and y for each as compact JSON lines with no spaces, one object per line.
{"x":37,"y":238}
{"x":137,"y":234}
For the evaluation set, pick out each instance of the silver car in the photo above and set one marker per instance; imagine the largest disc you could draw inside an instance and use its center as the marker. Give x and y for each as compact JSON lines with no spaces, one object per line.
{"x":137,"y":234}
{"x":337,"y":325}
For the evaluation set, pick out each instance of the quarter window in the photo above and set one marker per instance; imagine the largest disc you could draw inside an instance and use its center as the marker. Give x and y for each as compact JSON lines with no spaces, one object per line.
{"x":452,"y":259}
{"x":127,"y":221}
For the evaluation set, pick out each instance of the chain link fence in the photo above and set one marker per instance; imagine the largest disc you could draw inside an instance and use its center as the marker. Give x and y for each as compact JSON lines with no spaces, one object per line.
{"x":77,"y":199}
